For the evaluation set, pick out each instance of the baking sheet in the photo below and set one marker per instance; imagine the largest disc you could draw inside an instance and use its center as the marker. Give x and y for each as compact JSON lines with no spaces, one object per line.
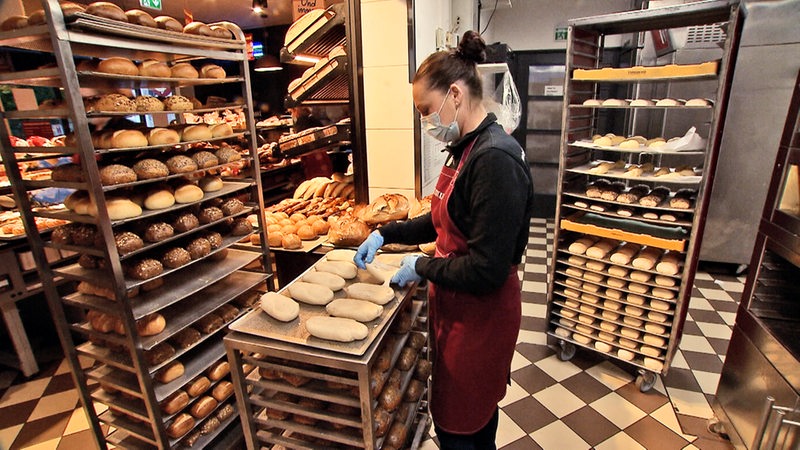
{"x":259,"y":323}
{"x":620,"y":174}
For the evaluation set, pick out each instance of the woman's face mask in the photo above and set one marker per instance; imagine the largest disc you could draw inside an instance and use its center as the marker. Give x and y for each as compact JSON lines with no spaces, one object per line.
{"x":432,"y":124}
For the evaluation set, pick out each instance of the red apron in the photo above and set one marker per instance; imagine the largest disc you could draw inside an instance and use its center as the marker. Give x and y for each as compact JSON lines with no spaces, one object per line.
{"x":473,"y":336}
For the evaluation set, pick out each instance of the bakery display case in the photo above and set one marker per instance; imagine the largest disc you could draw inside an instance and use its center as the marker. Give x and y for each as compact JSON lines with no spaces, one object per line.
{"x":631,"y":207}
{"x":764,"y":345}
{"x":155,"y":213}
{"x":302,"y":386}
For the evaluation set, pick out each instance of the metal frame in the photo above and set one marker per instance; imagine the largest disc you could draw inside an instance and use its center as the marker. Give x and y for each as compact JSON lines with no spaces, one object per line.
{"x":588,"y":33}
{"x":65,"y":41}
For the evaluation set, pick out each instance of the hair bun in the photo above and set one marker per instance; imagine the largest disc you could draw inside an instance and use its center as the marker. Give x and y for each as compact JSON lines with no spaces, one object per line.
{"x":472,"y":47}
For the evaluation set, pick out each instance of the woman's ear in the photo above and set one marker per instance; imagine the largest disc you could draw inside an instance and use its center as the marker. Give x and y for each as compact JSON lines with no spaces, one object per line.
{"x":457,"y":93}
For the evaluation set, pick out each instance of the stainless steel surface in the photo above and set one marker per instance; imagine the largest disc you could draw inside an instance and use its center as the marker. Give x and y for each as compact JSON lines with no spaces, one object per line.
{"x":198,"y":361}
{"x":110,"y":80}
{"x":695,"y":13}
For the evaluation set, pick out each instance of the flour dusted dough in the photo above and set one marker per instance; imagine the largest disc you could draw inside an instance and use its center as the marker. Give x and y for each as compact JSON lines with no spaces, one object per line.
{"x":313,"y":294}
{"x":330,"y":280}
{"x":341,"y":254}
{"x":360,"y":310}
{"x":344,"y":269}
{"x":336,"y":329}
{"x":378,"y":294}
{"x":280,"y":307}
{"x":382,"y":272}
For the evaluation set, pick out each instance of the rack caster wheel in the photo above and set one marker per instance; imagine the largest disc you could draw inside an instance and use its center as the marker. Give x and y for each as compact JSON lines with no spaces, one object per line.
{"x":567,"y":350}
{"x":645,"y":381}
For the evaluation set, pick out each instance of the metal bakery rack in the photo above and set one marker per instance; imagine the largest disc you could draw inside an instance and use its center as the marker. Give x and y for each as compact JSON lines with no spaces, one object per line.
{"x":198,"y":299}
{"x":625,"y":247}
{"x":296,"y":391}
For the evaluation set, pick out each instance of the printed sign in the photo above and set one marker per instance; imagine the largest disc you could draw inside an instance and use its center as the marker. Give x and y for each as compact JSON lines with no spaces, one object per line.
{"x":152,"y":4}
{"x":554,"y":89}
{"x":300,"y":7}
{"x":561,"y":33}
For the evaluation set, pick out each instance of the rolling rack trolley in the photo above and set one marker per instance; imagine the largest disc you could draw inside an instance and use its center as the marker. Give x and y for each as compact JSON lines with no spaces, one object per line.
{"x":630,"y":217}
{"x":128,"y":378}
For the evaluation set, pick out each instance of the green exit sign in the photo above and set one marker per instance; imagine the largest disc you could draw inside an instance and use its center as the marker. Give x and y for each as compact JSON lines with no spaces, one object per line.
{"x":561,"y":33}
{"x":152,"y":4}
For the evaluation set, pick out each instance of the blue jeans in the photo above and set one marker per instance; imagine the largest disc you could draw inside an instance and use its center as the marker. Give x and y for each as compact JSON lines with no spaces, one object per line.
{"x":482,"y":440}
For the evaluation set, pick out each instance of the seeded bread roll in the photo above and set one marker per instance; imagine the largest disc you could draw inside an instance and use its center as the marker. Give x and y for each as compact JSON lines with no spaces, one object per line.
{"x":127,"y":242}
{"x":199,"y":248}
{"x":116,"y":174}
{"x":158,"y":231}
{"x":175,"y":257}
{"x":227,"y":155}
{"x":241,"y":227}
{"x":150,"y":168}
{"x":178,"y":103}
{"x":210,"y":214}
{"x":145,"y":269}
{"x":112,"y":103}
{"x":181,"y":164}
{"x":185,"y":222}
{"x":214,"y":238}
{"x":231,"y":206}
{"x":146,"y":103}
{"x":205,"y":159}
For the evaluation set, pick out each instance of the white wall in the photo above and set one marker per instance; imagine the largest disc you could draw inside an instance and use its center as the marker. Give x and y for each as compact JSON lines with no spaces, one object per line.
{"x":530,"y":24}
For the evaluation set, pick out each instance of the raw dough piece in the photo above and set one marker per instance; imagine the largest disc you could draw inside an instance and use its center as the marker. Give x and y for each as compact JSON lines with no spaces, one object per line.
{"x":331,"y":281}
{"x":341,"y":254}
{"x":655,"y":328}
{"x":336,"y":329}
{"x":615,"y":282}
{"x":378,"y":294}
{"x":581,"y":338}
{"x":380,"y":271}
{"x":344,"y":269}
{"x":659,"y":305}
{"x":313,"y":294}
{"x":562,"y":332}
{"x":627,"y":355}
{"x":602,"y":346}
{"x":666,"y":294}
{"x":633,"y":321}
{"x":577,"y":260}
{"x":610,"y":315}
{"x":360,"y":310}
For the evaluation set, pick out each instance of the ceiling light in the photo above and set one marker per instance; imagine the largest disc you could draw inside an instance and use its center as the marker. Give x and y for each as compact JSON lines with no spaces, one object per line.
{"x":267,"y":63}
{"x":308,"y":59}
{"x":260,"y":7}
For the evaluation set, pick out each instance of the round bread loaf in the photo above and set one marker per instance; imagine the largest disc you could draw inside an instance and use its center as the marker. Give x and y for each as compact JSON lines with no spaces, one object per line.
{"x":113,"y":103}
{"x":221,"y":32}
{"x":158,"y":231}
{"x":159,"y":199}
{"x":139,"y":17}
{"x":181,"y":164}
{"x":175,"y":257}
{"x":185,"y":222}
{"x":127,"y":242}
{"x":128,"y":139}
{"x":146,"y":103}
{"x":214,"y":238}
{"x":275,"y":238}
{"x":145,"y":269}
{"x":118,"y":66}
{"x":107,"y":10}
{"x":232,"y":206}
{"x":118,"y":209}
{"x":117,"y":174}
{"x":210,"y":184}
{"x":221,"y":130}
{"x":205,"y":159}
{"x":212,"y":71}
{"x":163,"y":136}
{"x":199,"y":248}
{"x":210,"y":214}
{"x":14,"y":23}
{"x":168,"y":23}
{"x":184,"y":70}
{"x":196,"y":133}
{"x":188,"y":193}
{"x":291,"y":241}
{"x":198,"y":28}
{"x":227,"y":155}
{"x":178,"y":103}
{"x":241,"y":227}
{"x":147,"y":169}
{"x":153,"y":68}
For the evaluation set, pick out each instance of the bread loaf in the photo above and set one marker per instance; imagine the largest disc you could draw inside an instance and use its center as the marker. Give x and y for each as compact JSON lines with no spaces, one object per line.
{"x":331,"y":281}
{"x":14,"y":23}
{"x":181,"y":425}
{"x":626,"y":355}
{"x":312,"y":294}
{"x":348,"y":231}
{"x":218,"y":370}
{"x":203,"y":407}
{"x":128,"y":139}
{"x":344,"y":269}
{"x":175,"y":402}
{"x":107,"y":10}
{"x":360,"y":310}
{"x":601,"y":248}
{"x":159,"y":199}
{"x":153,"y":68}
{"x":386,"y":208}
{"x":184,"y":70}
{"x":279,"y":307}
{"x":118,"y":66}
{"x":171,"y":372}
{"x":147,"y":169}
{"x":168,"y":23}
{"x":336,"y":328}
{"x":378,"y":294}
{"x":198,"y":386}
{"x":669,"y":264}
{"x":188,"y":193}
{"x":579,"y":246}
{"x":139,"y":17}
{"x":625,"y":253}
{"x":647,"y":258}
{"x":198,"y":28}
{"x":222,"y":391}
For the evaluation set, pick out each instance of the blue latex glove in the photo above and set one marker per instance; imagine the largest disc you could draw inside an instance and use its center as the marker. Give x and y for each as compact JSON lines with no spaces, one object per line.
{"x":408,"y":271}
{"x":366,"y":251}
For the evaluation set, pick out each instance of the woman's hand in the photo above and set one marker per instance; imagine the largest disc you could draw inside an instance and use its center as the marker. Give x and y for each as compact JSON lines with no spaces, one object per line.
{"x":408,"y":271}
{"x":366,"y":251}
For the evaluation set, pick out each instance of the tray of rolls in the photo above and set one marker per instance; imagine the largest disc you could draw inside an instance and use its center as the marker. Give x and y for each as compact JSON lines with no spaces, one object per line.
{"x":639,"y":144}
{"x":668,"y":71}
{"x":641,"y":172}
{"x":333,"y":305}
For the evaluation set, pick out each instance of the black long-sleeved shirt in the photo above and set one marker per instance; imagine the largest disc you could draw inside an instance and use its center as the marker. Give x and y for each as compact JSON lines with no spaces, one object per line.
{"x":491,"y":205}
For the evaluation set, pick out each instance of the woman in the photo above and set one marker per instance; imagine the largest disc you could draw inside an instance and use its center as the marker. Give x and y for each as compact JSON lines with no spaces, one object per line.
{"x":480,"y":217}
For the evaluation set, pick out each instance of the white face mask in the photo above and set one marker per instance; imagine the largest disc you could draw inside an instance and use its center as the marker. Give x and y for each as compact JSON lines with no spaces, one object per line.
{"x":432,"y":124}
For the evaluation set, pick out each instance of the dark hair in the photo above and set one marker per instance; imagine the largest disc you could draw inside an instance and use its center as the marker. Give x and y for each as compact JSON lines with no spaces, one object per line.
{"x":445,"y":67}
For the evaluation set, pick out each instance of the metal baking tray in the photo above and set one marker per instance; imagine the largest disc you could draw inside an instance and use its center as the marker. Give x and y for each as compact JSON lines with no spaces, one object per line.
{"x":619,"y":174}
{"x":607,"y":261}
{"x":202,"y":358}
{"x":605,"y":274}
{"x":102,"y":79}
{"x":583,"y":196}
{"x":666,"y":223}
{"x":259,"y":323}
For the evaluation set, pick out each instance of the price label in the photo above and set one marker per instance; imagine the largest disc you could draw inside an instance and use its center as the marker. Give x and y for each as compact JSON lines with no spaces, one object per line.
{"x":152,"y":4}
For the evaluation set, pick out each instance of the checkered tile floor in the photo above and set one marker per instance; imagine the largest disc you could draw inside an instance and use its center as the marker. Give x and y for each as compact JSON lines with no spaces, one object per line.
{"x":587,"y":402}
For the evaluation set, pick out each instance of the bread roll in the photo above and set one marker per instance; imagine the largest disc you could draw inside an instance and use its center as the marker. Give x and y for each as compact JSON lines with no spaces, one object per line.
{"x":655,"y":328}
{"x":128,"y":139}
{"x":626,"y":355}
{"x":638,"y":288}
{"x":181,"y":425}
{"x":572,"y":293}
{"x":153,"y":68}
{"x":669,"y":264}
{"x":360,"y":310}
{"x":212,"y":71}
{"x":139,"y":17}
{"x":581,"y":338}
{"x":279,"y":307}
{"x":563,"y":332}
{"x":336,"y":328}
{"x":635,"y":299}
{"x":601,"y":248}
{"x":198,"y":386}
{"x":668,"y":102}
{"x":656,"y":341}
{"x":657,"y":316}
{"x":184,"y":70}
{"x":117,"y":174}
{"x":118,"y":66}
{"x":175,"y":402}
{"x":579,"y":246}
{"x":118,"y":209}
{"x":203,"y":407}
{"x":634,"y":311}
{"x":178,"y":103}
{"x":218,"y":370}
{"x":588,"y":320}
{"x":291,"y":241}
{"x":612,"y":305}
{"x":159,"y":199}
{"x":659,"y":305}
{"x":618,"y":271}
{"x":168,"y":23}
{"x":602,"y":346}
{"x":595,"y":265}
{"x":610,"y":315}
{"x":625,"y":252}
{"x":378,"y":294}
{"x":633,"y":321}
{"x":171,"y":372}
{"x":576,"y":260}
{"x":198,"y":28}
{"x":650,"y":351}
{"x":647,"y":258}
{"x":222,"y":391}
{"x":608,"y":326}
{"x":588,"y":309}
{"x":196,"y":133}
{"x":593,"y":277}
{"x":630,"y":333}
{"x":613,"y":293}
{"x":642,"y":102}
{"x":188,"y":193}
{"x":574,"y":272}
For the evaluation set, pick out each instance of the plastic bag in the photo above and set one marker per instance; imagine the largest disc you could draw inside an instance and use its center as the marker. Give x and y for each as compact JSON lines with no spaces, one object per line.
{"x":500,"y":95}
{"x":691,"y":141}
